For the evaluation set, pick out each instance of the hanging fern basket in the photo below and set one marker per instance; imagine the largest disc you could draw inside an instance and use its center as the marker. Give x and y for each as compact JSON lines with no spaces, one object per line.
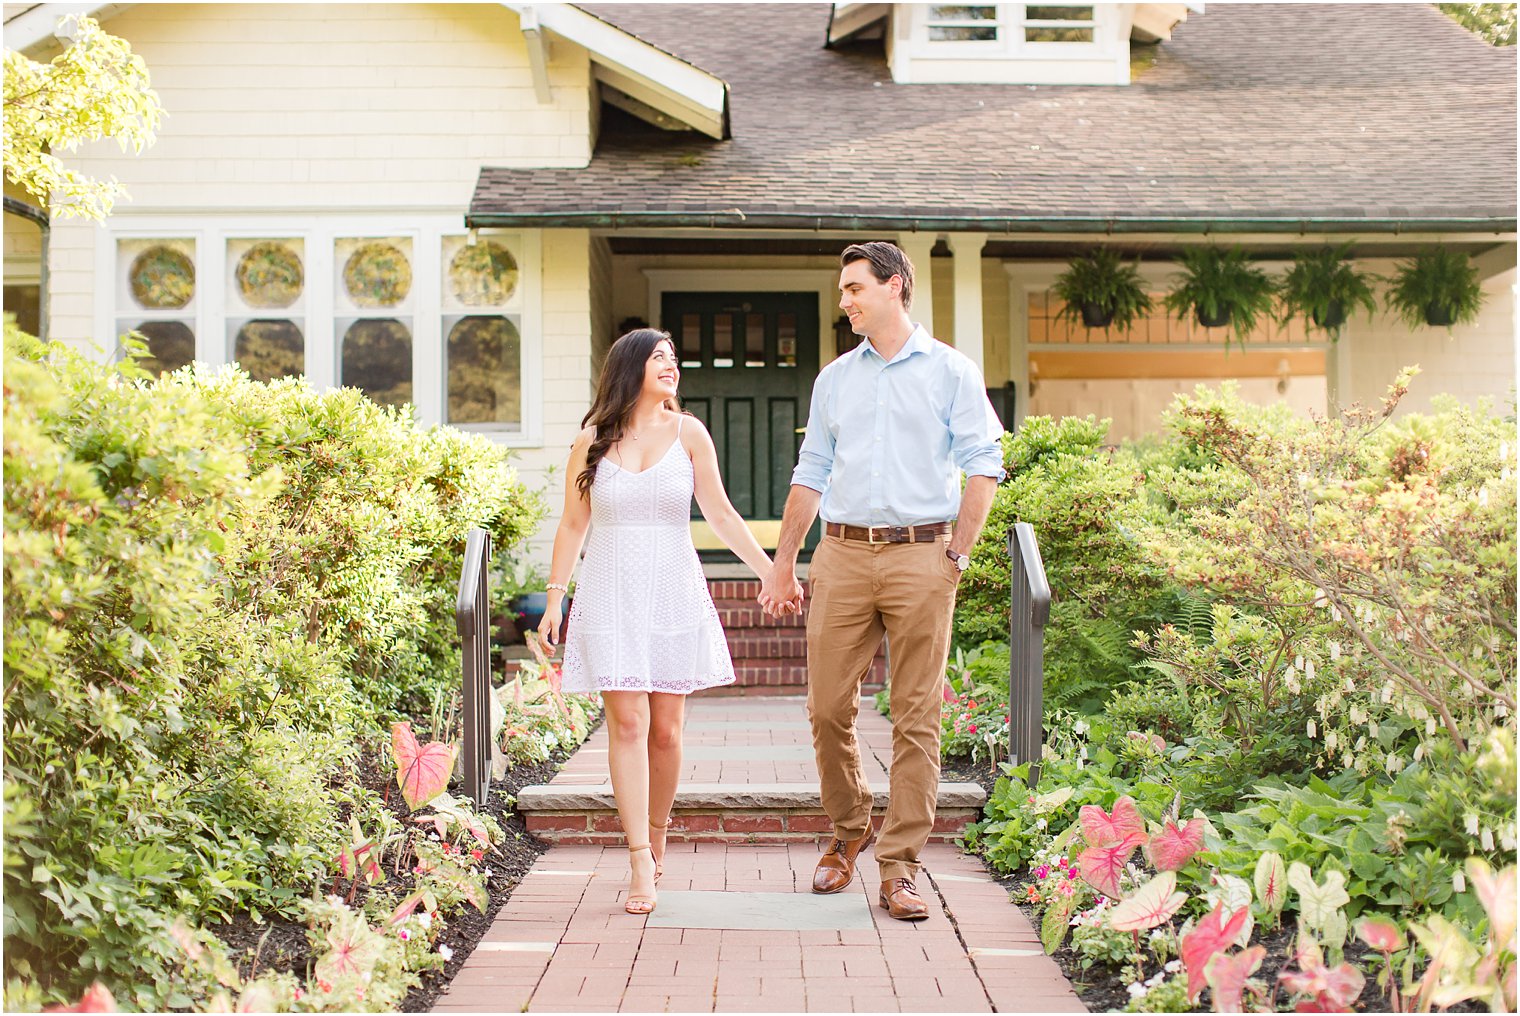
{"x":1333,"y":318}
{"x":1218,"y":319}
{"x":1439,"y":315}
{"x":1096,"y":315}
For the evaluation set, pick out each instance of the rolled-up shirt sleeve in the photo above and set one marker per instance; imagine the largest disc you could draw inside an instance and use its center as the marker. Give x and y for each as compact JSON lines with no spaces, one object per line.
{"x":816,"y":459}
{"x":975,"y":434}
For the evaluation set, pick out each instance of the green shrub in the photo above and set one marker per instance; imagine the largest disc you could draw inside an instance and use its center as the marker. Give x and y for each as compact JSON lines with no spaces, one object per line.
{"x":215,"y":590}
{"x":1085,"y":504}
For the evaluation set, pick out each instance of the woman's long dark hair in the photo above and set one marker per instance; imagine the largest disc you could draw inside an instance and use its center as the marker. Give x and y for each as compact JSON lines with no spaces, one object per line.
{"x":616,"y":395}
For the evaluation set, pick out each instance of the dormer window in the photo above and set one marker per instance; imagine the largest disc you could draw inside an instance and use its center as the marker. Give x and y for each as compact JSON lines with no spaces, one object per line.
{"x":962,"y":24}
{"x":1059,"y":23}
{"x":1033,"y":44}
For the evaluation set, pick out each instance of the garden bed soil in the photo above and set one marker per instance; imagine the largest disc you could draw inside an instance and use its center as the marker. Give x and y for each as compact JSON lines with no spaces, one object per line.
{"x":1101,"y":988}
{"x":278,"y":943}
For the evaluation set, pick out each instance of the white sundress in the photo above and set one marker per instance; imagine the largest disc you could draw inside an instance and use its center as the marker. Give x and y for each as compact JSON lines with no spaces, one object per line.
{"x":642,"y":618}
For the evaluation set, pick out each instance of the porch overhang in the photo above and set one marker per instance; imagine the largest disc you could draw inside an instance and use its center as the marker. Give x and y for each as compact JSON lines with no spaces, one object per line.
{"x":929,"y":221}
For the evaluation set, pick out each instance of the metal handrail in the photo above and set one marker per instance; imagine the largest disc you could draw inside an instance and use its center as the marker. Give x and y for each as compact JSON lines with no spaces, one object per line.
{"x":1029,"y":611}
{"x":472,"y":615}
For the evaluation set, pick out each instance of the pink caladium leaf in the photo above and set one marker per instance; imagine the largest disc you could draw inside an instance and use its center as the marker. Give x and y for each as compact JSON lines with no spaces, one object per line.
{"x":1175,"y":845}
{"x":1384,"y":936}
{"x":1153,"y":904}
{"x":1102,"y":866}
{"x":404,"y":909}
{"x":1209,"y":937}
{"x":422,"y":770}
{"x":1331,"y":989}
{"x":1103,"y":829}
{"x":1227,"y":973}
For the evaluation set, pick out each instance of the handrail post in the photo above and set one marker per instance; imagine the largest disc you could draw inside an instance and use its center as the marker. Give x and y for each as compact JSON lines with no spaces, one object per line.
{"x":1028,"y":614}
{"x":472,"y":615}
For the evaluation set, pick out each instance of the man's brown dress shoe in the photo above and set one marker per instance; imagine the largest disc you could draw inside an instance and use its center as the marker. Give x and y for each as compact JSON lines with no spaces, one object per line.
{"x":899,"y":898}
{"x":836,"y":868}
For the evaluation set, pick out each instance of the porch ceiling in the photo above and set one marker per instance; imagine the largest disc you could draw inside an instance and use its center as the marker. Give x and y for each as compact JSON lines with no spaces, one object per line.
{"x":1254,"y":118}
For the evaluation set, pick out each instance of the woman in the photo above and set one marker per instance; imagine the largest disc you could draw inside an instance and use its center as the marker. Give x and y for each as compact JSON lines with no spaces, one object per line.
{"x":643,"y":629}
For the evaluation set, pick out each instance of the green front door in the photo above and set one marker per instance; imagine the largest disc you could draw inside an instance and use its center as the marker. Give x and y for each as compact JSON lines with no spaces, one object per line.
{"x":748,"y":361}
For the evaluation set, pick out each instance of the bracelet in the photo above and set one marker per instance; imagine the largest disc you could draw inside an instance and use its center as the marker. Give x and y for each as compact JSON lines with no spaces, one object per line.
{"x":558,"y":585}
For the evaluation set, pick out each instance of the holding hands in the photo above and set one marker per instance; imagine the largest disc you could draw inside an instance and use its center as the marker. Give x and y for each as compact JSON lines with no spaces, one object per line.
{"x":780,"y":592}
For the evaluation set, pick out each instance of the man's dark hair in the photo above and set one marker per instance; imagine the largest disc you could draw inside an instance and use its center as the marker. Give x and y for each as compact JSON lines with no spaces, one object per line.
{"x":886,"y":260}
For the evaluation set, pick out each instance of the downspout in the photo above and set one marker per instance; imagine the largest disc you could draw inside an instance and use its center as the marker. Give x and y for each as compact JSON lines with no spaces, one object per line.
{"x":40,"y":217}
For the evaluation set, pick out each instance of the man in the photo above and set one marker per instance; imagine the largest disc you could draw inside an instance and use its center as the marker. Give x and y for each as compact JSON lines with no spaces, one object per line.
{"x":892,"y":425}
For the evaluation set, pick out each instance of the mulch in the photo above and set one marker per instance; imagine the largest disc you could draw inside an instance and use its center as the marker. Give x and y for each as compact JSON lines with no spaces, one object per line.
{"x":1100,"y":986}
{"x":279,"y":943}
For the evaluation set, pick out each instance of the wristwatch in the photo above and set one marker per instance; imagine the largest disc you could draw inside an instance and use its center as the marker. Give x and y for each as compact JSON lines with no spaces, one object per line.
{"x":961,"y":560}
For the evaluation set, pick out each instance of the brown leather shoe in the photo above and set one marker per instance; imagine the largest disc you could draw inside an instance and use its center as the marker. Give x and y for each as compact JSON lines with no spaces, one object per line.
{"x":899,"y":898}
{"x":836,"y":868}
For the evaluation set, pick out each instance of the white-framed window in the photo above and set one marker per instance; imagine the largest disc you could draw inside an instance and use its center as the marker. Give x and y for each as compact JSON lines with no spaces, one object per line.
{"x":482,"y":334}
{"x":962,"y":23}
{"x":1058,"y":24}
{"x":406,"y":308}
{"x":265,"y":302}
{"x":155,"y":295}
{"x":1010,"y":44}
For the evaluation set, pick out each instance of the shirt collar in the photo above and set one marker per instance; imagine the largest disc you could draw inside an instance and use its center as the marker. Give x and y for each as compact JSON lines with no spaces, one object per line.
{"x":919,"y":342}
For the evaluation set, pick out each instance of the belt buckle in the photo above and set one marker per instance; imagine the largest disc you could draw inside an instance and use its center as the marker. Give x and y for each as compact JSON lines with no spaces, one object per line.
{"x":871,"y":536}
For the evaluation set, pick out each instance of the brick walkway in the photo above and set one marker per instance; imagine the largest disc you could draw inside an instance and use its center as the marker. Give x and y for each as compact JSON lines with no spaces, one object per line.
{"x":737,"y":928}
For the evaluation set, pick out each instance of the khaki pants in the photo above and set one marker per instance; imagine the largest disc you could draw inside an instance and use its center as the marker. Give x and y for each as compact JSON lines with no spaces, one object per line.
{"x":859,"y":592}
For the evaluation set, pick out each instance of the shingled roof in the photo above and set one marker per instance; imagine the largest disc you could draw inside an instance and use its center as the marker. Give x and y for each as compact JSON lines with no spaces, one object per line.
{"x":1253,"y":117}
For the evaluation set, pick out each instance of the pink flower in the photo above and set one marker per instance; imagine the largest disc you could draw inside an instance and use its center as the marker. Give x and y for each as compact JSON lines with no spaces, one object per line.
{"x":477,"y":854}
{"x":1042,"y":872}
{"x":403,"y":934}
{"x":972,"y":728}
{"x":1066,"y":888}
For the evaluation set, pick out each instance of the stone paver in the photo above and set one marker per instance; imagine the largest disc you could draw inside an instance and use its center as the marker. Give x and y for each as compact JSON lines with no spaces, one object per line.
{"x":564,"y":944}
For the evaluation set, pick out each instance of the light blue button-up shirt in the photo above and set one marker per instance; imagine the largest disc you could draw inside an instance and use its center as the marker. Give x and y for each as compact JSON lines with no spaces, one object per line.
{"x":887,"y":441}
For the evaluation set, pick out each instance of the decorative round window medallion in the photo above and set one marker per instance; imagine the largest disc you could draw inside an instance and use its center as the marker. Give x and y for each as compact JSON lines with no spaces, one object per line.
{"x":484,"y":275}
{"x":162,"y":278}
{"x":269,"y":275}
{"x":377,"y":274}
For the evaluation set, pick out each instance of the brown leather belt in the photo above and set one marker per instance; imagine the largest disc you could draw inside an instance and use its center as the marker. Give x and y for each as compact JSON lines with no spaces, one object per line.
{"x":889,"y":534}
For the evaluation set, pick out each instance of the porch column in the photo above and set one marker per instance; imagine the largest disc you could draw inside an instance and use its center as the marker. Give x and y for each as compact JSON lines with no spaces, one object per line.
{"x":966,"y":251}
{"x":918,"y":247}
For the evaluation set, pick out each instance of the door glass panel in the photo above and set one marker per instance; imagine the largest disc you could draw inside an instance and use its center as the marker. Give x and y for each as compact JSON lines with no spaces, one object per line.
{"x":754,"y":340}
{"x":691,"y":340}
{"x":786,"y":340}
{"x":723,"y":340}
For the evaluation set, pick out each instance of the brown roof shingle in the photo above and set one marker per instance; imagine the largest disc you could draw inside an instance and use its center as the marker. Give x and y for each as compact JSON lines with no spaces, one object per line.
{"x":1302,"y":116}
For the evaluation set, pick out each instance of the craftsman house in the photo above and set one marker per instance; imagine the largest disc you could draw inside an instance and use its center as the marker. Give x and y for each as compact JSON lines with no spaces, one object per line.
{"x":460,"y":205}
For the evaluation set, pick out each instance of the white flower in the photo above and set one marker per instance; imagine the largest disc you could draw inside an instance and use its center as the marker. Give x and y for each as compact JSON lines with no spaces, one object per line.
{"x":1312,"y":729}
{"x":403,"y":934}
{"x":1309,"y":670}
{"x":1470,"y":823}
{"x":1137,"y":990}
{"x":1330,"y":740}
{"x":1486,"y":838}
{"x":1459,"y":881}
{"x":1483,"y":497}
{"x":425,"y":918}
{"x":445,"y":952}
{"x":1173,"y":966}
{"x":1335,"y":650}
{"x":1040,"y":823}
{"x":1298,"y":662}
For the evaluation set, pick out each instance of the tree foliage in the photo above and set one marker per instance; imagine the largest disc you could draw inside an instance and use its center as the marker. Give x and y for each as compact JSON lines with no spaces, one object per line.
{"x":96,"y":89}
{"x":1494,"y":22}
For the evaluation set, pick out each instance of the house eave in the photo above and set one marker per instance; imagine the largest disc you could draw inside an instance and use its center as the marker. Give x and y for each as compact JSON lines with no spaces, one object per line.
{"x":999,"y":224}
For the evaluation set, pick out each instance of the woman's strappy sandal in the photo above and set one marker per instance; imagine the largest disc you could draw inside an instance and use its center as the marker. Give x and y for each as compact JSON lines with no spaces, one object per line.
{"x":638,"y":904}
{"x":659,"y":861}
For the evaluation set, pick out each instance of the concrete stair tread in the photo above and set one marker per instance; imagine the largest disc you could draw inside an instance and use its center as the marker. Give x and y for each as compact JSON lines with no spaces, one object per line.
{"x":727,"y":796}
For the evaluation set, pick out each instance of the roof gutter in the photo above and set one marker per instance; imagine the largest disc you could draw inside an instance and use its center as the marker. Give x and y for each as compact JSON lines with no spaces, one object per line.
{"x":734,"y":217}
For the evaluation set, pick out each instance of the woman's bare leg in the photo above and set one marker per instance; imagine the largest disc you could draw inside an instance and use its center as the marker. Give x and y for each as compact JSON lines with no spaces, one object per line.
{"x":628,"y":760}
{"x":667,"y":716}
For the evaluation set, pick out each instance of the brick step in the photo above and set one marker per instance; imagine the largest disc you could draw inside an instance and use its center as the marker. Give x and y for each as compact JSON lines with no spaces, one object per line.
{"x":751,"y":616}
{"x":718,"y":813}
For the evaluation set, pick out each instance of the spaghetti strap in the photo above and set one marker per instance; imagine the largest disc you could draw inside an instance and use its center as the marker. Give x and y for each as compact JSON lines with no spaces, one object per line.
{"x":679,"y":420}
